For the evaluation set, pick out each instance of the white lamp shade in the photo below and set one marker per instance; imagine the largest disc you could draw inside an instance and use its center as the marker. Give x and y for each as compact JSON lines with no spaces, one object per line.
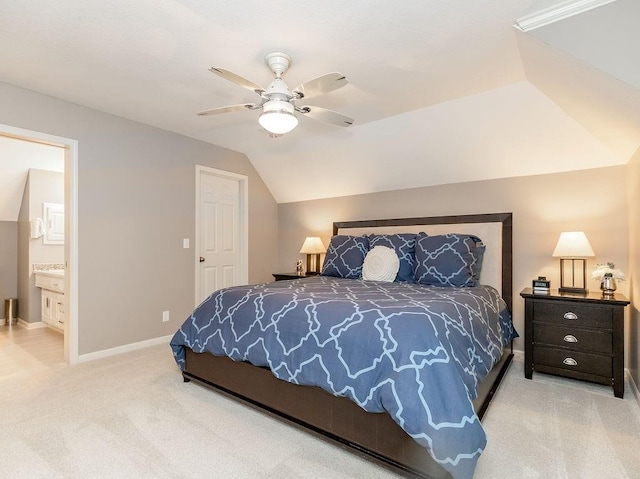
{"x":573,"y":244}
{"x":313,"y":245}
{"x":277,"y":117}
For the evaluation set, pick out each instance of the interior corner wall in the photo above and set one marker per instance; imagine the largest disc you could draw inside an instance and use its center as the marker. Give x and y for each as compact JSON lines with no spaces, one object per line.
{"x":542,"y":207}
{"x":42,"y":187}
{"x":8,"y":262}
{"x":136,"y":202}
{"x":633,"y":327}
{"x":24,"y":269}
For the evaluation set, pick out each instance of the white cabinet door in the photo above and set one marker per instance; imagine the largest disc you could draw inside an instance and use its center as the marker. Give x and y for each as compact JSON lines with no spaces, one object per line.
{"x":47,"y":302}
{"x":53,"y":309}
{"x":59,"y":310}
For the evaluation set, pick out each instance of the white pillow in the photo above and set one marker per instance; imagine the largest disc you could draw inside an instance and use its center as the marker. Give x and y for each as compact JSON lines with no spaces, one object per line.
{"x":381,"y":264}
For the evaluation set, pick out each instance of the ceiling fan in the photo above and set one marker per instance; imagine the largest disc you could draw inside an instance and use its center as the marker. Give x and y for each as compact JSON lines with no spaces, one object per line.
{"x":277,"y":102}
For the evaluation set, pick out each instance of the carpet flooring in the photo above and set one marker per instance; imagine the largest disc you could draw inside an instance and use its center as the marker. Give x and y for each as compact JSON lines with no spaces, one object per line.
{"x":131,"y":416}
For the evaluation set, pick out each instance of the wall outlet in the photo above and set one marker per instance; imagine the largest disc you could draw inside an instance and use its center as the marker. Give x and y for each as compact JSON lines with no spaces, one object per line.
{"x":165,"y":316}
{"x":185,"y":243}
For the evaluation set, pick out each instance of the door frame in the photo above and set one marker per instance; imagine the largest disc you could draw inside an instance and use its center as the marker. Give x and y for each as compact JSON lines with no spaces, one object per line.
{"x":243,"y":222}
{"x":70,"y":146}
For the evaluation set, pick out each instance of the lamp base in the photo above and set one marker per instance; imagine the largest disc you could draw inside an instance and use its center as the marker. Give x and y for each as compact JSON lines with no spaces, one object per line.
{"x":573,"y":290}
{"x":573,"y":276}
{"x":315,"y":269}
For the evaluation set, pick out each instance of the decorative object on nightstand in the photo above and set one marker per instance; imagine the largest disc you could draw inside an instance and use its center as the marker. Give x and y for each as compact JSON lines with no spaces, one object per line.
{"x":313,"y":248}
{"x":607,"y":274}
{"x":579,"y":336}
{"x":286,"y":276}
{"x":573,"y":248}
{"x":541,"y":285}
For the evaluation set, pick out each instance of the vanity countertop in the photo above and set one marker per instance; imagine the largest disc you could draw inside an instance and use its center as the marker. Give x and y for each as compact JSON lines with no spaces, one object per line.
{"x":54,"y":273}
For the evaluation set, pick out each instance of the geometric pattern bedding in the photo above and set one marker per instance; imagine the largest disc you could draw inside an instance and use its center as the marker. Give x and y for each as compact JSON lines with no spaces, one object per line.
{"x":414,"y":351}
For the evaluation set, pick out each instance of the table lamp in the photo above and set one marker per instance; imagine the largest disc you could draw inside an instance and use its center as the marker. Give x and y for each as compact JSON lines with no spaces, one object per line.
{"x":313,"y":247}
{"x":573,"y":248}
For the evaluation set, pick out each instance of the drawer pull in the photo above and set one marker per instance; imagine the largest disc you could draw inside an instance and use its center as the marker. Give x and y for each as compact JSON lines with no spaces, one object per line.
{"x":570,"y":315}
{"x":570,"y":362}
{"x":570,"y":338}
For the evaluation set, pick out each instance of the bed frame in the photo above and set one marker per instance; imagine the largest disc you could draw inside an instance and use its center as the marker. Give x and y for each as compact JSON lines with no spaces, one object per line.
{"x":373,"y":435}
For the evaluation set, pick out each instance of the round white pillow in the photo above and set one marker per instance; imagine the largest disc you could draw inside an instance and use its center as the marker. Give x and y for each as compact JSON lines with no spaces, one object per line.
{"x":381,"y":264}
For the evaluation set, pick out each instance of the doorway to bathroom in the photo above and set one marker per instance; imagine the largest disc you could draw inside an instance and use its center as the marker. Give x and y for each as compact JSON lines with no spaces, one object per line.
{"x":69,"y":263}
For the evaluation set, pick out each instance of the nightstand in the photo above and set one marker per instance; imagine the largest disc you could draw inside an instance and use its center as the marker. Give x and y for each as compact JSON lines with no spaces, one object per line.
{"x":285,"y":276}
{"x":576,"y":336}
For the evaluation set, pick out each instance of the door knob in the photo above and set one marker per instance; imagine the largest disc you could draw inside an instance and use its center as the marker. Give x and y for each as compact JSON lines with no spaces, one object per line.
{"x":202,"y":259}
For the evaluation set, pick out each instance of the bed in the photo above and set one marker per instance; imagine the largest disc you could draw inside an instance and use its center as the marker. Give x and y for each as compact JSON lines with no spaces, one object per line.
{"x":415,"y":402}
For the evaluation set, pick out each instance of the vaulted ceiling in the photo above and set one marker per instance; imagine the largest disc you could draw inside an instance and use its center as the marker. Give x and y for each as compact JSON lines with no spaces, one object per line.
{"x":441,"y":91}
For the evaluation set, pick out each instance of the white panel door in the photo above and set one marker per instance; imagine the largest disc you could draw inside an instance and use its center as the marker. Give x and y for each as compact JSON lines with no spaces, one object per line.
{"x":220,"y":231}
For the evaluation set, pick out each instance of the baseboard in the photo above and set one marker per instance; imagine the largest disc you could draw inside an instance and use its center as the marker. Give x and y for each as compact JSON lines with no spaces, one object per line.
{"x":105,"y":353}
{"x":633,"y":385}
{"x":25,"y":324}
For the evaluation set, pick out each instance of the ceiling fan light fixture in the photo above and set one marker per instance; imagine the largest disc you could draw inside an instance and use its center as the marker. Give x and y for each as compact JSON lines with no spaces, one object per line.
{"x":277,"y":117}
{"x":278,"y":103}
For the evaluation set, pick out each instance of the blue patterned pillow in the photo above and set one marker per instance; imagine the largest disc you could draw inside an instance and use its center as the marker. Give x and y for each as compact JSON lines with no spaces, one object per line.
{"x":448,"y":260}
{"x":345,"y":256}
{"x":404,"y":245}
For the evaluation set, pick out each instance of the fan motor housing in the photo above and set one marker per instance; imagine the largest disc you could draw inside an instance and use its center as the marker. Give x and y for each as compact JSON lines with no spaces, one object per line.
{"x":278,"y":90}
{"x":278,"y":62}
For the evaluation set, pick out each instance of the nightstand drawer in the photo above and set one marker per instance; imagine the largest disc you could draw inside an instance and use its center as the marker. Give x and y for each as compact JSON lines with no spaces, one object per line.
{"x":573,"y":361}
{"x":574,"y":338}
{"x":573,"y":314}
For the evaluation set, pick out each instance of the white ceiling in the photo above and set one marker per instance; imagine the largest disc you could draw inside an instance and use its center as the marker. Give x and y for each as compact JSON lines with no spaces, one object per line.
{"x":442,"y":91}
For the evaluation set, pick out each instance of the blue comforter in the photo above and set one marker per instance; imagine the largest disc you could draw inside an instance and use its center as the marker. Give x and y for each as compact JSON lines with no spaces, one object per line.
{"x":416,"y":352}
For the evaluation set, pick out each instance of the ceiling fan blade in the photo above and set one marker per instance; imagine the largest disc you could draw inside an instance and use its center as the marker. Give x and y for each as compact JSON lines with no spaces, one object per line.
{"x":327,"y":116}
{"x":322,"y":84}
{"x":226,"y":109}
{"x":237,"y":79}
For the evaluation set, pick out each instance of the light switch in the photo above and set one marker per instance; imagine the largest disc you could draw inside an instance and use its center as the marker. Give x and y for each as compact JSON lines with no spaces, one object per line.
{"x":185,"y":243}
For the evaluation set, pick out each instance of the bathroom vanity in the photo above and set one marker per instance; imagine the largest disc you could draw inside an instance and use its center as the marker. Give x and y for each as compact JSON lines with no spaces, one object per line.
{"x":51,"y":283}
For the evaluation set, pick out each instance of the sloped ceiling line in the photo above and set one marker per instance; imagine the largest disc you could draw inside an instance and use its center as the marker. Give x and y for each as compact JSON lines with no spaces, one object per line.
{"x":556,"y":13}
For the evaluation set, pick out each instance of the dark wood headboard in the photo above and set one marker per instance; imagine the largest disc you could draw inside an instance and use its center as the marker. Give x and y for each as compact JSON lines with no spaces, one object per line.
{"x":504,"y":221}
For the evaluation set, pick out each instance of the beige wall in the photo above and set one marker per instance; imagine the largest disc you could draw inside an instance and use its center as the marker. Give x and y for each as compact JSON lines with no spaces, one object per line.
{"x":136,"y":202}
{"x":542,"y":206}
{"x":633,"y":336}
